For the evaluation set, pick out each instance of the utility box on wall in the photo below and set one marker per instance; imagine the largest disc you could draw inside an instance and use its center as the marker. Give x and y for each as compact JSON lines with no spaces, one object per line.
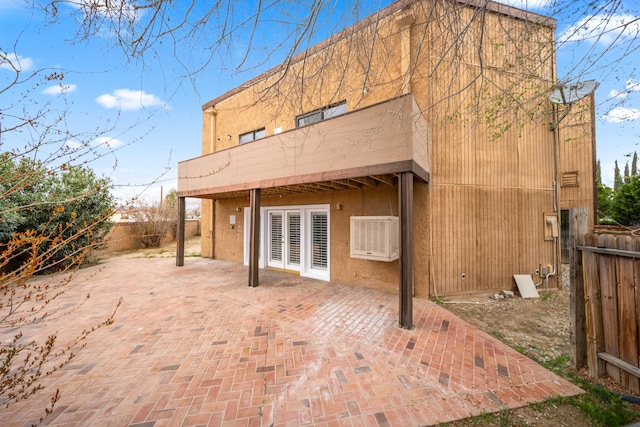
{"x":375,"y":237}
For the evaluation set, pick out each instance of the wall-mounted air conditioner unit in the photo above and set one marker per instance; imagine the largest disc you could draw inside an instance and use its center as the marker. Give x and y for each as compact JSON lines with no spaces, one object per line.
{"x":375,"y":237}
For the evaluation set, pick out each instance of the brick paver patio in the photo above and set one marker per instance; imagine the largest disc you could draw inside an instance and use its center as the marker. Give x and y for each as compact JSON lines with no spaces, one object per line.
{"x":195,"y":346}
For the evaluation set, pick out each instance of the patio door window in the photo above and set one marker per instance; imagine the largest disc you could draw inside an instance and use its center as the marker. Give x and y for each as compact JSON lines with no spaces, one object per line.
{"x":283,"y":235}
{"x":295,"y":238}
{"x":316,"y":234}
{"x":293,"y":241}
{"x":319,"y":240}
{"x":276,"y":240}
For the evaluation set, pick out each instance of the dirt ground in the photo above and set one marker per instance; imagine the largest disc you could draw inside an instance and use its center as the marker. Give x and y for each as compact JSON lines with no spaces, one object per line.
{"x":167,"y":250}
{"x":538,"y":328}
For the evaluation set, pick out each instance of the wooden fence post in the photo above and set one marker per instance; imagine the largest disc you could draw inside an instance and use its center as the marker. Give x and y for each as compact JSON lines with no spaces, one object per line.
{"x":578,"y":228}
{"x":180,"y":232}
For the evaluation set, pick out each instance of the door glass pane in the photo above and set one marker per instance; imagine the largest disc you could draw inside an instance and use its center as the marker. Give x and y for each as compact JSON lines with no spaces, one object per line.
{"x":293,"y":253}
{"x":319,"y":240}
{"x":275,"y":234}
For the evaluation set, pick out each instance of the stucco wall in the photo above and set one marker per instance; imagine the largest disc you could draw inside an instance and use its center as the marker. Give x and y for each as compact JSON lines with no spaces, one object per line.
{"x":123,"y":237}
{"x":483,"y":92}
{"x":378,"y":201}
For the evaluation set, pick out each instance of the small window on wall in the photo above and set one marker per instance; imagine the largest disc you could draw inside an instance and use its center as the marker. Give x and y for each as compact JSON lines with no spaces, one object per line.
{"x":321,"y":114}
{"x":252,"y":136}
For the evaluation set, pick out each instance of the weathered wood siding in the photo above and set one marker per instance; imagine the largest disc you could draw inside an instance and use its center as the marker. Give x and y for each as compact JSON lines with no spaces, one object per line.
{"x":610,"y":269}
{"x":481,"y":76}
{"x":577,"y":157}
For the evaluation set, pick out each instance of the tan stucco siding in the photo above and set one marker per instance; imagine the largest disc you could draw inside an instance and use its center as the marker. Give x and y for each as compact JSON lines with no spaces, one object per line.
{"x":382,"y":201}
{"x":481,"y":80}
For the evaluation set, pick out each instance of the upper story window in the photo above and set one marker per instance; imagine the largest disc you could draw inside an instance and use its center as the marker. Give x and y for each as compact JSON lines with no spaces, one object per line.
{"x":252,"y":136}
{"x":320,"y":114}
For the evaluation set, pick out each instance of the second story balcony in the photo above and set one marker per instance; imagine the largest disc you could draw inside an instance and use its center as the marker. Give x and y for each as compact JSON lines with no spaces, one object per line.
{"x":366,"y":146}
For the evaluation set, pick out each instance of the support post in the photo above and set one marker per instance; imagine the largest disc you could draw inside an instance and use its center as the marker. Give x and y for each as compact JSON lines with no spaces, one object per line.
{"x":405,"y":205}
{"x":578,"y":228}
{"x":180,"y":232}
{"x":254,"y":233}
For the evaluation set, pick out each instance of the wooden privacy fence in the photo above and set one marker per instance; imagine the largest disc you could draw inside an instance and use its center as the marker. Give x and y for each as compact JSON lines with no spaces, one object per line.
{"x":605,"y":333}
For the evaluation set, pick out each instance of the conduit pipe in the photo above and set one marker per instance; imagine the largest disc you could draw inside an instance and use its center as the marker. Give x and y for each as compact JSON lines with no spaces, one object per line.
{"x":554,"y":263}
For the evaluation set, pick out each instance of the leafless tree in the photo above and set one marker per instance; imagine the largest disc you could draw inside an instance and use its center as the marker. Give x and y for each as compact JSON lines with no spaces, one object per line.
{"x":154,"y":220}
{"x":37,"y":146}
{"x":230,"y":37}
{"x":224,"y":37}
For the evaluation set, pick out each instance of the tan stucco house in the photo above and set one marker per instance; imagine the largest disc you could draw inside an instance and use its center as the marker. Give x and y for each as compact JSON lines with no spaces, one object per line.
{"x":416,"y":151}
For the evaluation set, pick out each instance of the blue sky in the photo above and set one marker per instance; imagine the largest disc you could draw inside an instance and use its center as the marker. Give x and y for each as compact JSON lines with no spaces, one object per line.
{"x":152,"y":113}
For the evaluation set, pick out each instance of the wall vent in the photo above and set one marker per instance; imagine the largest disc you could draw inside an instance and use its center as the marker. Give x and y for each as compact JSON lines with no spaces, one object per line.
{"x":569,"y":179}
{"x":375,"y":237}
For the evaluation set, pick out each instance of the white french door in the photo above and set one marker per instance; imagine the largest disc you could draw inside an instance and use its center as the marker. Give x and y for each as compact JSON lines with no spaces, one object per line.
{"x":283,"y":235}
{"x":275,"y":233}
{"x":292,"y":241}
{"x":318,"y":244}
{"x":295,"y":238}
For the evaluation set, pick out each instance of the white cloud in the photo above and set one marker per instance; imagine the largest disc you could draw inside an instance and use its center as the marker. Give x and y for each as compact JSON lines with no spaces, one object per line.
{"x":604,"y":28}
{"x":129,"y":100}
{"x":73,"y":145}
{"x":15,"y":62}
{"x":620,"y":94}
{"x":630,"y":86}
{"x":58,"y":89}
{"x":633,"y":86}
{"x":115,"y":9}
{"x":101,"y":141}
{"x":621,"y":115}
{"x":107,"y":141}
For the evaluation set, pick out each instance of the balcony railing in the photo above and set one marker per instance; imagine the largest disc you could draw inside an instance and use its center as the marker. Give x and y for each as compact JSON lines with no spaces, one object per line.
{"x":385,"y":138}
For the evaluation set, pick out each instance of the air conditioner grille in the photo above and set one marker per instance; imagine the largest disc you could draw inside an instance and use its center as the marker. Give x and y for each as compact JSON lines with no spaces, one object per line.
{"x":375,"y":237}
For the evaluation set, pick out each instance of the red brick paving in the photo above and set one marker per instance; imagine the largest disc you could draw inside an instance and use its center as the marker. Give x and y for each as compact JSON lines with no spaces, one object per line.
{"x":195,"y":345}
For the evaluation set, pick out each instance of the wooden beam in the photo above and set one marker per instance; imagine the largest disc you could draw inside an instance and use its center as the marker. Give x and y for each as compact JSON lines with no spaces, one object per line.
{"x":578,"y":227}
{"x":316,"y":187}
{"x":385,"y":179}
{"x":339,"y":175}
{"x":405,"y":203}
{"x":343,"y":186}
{"x":349,"y":184}
{"x":180,"y":232}
{"x":607,"y":251}
{"x":627,"y":367}
{"x":328,"y":186}
{"x":254,"y":236}
{"x":365,"y":180}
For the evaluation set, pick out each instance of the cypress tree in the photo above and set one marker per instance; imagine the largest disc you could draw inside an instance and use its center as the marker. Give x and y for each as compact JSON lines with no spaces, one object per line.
{"x":617,"y":179}
{"x":627,"y":177}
